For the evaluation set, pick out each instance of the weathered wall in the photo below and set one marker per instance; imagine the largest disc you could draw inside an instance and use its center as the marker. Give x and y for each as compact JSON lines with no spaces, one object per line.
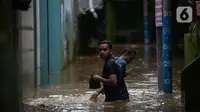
{"x":26,"y":35}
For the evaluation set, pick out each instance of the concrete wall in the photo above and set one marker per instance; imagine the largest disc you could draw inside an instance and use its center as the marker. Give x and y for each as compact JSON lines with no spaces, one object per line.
{"x":49,"y":48}
{"x":27,"y":48}
{"x":27,"y":41}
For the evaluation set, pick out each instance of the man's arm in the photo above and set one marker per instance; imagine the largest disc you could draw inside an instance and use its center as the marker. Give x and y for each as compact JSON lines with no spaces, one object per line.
{"x":111,"y":81}
{"x":99,"y":90}
{"x":111,"y":73}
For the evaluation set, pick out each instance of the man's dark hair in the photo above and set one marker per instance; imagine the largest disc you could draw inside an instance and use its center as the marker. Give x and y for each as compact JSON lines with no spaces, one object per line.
{"x":129,"y":52}
{"x":106,"y":42}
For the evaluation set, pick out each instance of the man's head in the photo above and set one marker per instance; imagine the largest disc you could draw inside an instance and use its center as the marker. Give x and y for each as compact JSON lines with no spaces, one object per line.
{"x":129,"y":54}
{"x":105,"y":48}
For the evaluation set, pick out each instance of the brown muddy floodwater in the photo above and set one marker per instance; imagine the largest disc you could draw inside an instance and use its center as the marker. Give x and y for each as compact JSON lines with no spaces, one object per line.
{"x":72,"y":95}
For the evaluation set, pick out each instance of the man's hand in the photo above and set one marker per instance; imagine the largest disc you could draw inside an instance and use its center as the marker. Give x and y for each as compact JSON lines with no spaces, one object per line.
{"x":94,"y":96}
{"x":126,"y":74}
{"x":97,"y":77}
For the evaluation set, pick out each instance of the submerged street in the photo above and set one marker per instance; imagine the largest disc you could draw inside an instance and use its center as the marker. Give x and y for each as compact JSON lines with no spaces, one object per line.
{"x":72,"y":94}
{"x":49,"y":52}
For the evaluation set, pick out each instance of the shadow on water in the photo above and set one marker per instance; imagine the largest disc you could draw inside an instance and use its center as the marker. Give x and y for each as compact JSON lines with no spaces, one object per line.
{"x":73,"y":93}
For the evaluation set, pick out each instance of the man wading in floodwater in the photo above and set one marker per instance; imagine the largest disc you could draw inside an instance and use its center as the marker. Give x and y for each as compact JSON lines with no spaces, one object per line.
{"x":112,"y":78}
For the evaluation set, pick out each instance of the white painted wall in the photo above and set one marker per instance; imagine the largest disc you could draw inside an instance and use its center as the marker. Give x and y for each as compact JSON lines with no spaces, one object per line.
{"x":27,"y":36}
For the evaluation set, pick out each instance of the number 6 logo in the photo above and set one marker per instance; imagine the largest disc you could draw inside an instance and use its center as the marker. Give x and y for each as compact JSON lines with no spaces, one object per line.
{"x":184,"y":14}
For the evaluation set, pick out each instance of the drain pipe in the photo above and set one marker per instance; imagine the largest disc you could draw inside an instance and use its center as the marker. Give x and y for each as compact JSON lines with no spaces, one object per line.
{"x":35,"y":41}
{"x":91,"y":7}
{"x":158,"y":20}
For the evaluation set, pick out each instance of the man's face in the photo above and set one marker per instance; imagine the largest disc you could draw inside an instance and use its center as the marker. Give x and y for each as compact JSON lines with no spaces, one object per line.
{"x":129,"y":59}
{"x":104,"y":51}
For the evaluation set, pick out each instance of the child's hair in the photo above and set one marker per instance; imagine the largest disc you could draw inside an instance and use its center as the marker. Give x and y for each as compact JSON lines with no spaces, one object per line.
{"x":129,"y":52}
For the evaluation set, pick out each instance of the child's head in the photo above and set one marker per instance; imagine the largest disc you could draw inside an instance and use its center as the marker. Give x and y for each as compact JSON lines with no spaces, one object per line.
{"x":129,"y":54}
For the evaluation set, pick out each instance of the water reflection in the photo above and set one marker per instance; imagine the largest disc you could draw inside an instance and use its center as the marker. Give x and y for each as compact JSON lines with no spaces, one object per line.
{"x":54,"y":79}
{"x":146,"y":55}
{"x":170,"y":103}
{"x":73,"y":94}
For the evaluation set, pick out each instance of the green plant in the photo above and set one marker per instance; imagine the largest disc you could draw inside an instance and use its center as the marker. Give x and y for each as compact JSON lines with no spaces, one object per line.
{"x":194,"y":29}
